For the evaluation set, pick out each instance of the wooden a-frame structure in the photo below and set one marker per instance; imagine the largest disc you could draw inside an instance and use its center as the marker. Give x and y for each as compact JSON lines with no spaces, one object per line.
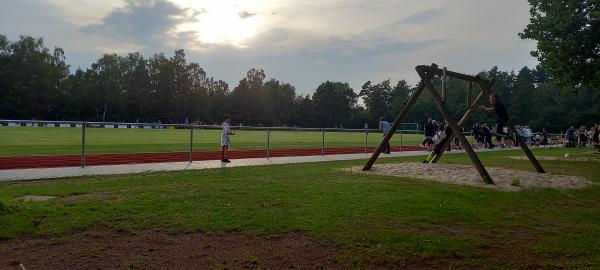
{"x":427,"y":73}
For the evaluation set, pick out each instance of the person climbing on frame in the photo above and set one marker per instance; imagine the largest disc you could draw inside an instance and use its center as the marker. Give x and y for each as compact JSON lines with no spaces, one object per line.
{"x":501,"y":117}
{"x":439,"y":139}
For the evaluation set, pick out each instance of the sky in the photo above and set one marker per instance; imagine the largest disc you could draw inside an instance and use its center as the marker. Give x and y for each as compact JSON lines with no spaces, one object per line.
{"x":302,"y":42}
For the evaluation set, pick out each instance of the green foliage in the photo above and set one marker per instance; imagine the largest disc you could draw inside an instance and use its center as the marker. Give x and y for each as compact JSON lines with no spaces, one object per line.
{"x":35,"y":83}
{"x":31,"y":76}
{"x":568,"y":39}
{"x":333,"y":102}
{"x":6,"y":207}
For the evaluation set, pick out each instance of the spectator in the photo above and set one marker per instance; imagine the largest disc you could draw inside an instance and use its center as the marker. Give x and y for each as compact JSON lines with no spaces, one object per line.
{"x":537,"y":139}
{"x":596,"y":137}
{"x":477,"y":134}
{"x":582,"y":138}
{"x":571,"y":137}
{"x":519,"y":131}
{"x":544,"y":137}
{"x":384,"y":126}
{"x":487,"y":136}
{"x":528,"y":134}
{"x":429,"y":133}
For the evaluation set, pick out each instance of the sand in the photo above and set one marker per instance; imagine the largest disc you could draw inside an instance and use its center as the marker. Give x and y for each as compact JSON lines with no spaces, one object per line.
{"x":504,"y":179}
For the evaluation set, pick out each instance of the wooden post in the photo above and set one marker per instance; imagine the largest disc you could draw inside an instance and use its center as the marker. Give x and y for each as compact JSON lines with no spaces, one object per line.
{"x":426,"y":73}
{"x":485,"y":92}
{"x":409,"y":103}
{"x":191,"y":143}
{"x":526,"y":149}
{"x":469,"y":94}
{"x":457,"y":132}
{"x":444,"y":79}
{"x":461,"y":123}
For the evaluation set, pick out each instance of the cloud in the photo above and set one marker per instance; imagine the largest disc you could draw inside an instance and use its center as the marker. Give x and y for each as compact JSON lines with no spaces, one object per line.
{"x":143,"y":22}
{"x":303,"y":42}
{"x":245,"y":14}
{"x":420,"y":17}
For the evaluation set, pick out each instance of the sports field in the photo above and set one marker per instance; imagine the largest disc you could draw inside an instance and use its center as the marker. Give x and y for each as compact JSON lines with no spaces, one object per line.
{"x":20,"y":141}
{"x":309,"y":216}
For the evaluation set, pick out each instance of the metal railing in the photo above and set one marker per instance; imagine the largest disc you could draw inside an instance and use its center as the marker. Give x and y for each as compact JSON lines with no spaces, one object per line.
{"x":83,"y":125}
{"x":553,"y":139}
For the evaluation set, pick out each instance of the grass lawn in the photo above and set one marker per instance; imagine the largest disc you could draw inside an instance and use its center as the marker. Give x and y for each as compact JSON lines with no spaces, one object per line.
{"x":18,"y":141}
{"x":377,"y":221}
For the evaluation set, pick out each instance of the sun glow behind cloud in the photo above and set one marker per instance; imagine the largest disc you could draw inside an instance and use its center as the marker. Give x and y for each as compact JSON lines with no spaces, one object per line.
{"x":221,"y":21}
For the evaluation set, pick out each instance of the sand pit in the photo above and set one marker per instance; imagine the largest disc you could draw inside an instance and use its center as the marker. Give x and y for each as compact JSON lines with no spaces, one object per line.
{"x":505,"y":179}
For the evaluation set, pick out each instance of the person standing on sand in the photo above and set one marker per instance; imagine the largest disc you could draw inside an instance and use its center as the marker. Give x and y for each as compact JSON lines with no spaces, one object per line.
{"x":225,"y":141}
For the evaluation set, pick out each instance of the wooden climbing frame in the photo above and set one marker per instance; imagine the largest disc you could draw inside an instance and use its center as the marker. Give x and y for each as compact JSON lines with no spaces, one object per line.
{"x":427,"y":73}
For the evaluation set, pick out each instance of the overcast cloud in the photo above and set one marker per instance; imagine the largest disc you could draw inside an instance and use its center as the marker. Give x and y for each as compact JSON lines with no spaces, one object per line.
{"x":304,"y":42}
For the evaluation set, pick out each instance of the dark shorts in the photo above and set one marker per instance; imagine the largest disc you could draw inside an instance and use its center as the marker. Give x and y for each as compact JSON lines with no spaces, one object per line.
{"x":499,"y":130}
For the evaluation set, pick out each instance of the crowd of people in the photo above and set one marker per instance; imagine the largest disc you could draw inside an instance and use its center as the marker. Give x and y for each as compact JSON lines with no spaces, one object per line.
{"x":436,"y":132}
{"x":582,"y":137}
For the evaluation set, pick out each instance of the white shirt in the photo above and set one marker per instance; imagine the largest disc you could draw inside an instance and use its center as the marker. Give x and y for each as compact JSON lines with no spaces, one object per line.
{"x":225,"y":136}
{"x":439,"y":136}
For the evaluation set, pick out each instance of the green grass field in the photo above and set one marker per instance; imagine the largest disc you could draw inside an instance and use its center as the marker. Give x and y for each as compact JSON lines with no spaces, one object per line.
{"x":18,"y":141}
{"x":409,"y":220}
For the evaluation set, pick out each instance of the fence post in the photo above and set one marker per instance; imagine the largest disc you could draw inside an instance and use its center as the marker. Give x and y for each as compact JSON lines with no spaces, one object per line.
{"x":401,"y":141}
{"x":366,"y":140}
{"x":83,"y":144}
{"x":323,"y":143}
{"x":191,"y":142}
{"x":269,"y":143}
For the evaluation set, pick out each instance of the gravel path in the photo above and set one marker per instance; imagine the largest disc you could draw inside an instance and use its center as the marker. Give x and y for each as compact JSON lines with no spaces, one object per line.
{"x":505,"y":179}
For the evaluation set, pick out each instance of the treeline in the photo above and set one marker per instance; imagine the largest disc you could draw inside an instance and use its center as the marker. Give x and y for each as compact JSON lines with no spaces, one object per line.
{"x":36,"y":83}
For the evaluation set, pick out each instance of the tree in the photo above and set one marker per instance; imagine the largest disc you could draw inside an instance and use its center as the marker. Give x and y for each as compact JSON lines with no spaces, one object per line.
{"x":244,"y":99}
{"x":333,"y":103}
{"x":304,"y":114}
{"x":31,"y":78}
{"x":399,"y":97}
{"x":568,"y":39}
{"x":522,"y":97}
{"x":218,"y":92}
{"x":35,"y":83}
{"x":377,"y":98}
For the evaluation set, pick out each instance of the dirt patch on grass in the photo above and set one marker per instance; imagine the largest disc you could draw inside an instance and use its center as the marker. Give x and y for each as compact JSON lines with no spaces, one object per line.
{"x":158,"y":249}
{"x":161,"y":250}
{"x":36,"y":198}
{"x":505,"y":179}
{"x":97,"y":195}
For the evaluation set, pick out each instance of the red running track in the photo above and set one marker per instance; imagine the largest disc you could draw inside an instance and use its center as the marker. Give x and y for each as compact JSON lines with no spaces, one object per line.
{"x":26,"y":162}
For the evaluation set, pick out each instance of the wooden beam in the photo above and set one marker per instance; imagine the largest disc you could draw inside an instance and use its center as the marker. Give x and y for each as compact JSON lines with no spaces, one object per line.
{"x":469,"y":94}
{"x":461,"y":124}
{"x":444,"y":83}
{"x":451,"y":74}
{"x":485,"y":91}
{"x":456,"y":130}
{"x":525,"y":148}
{"x":409,"y":103}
